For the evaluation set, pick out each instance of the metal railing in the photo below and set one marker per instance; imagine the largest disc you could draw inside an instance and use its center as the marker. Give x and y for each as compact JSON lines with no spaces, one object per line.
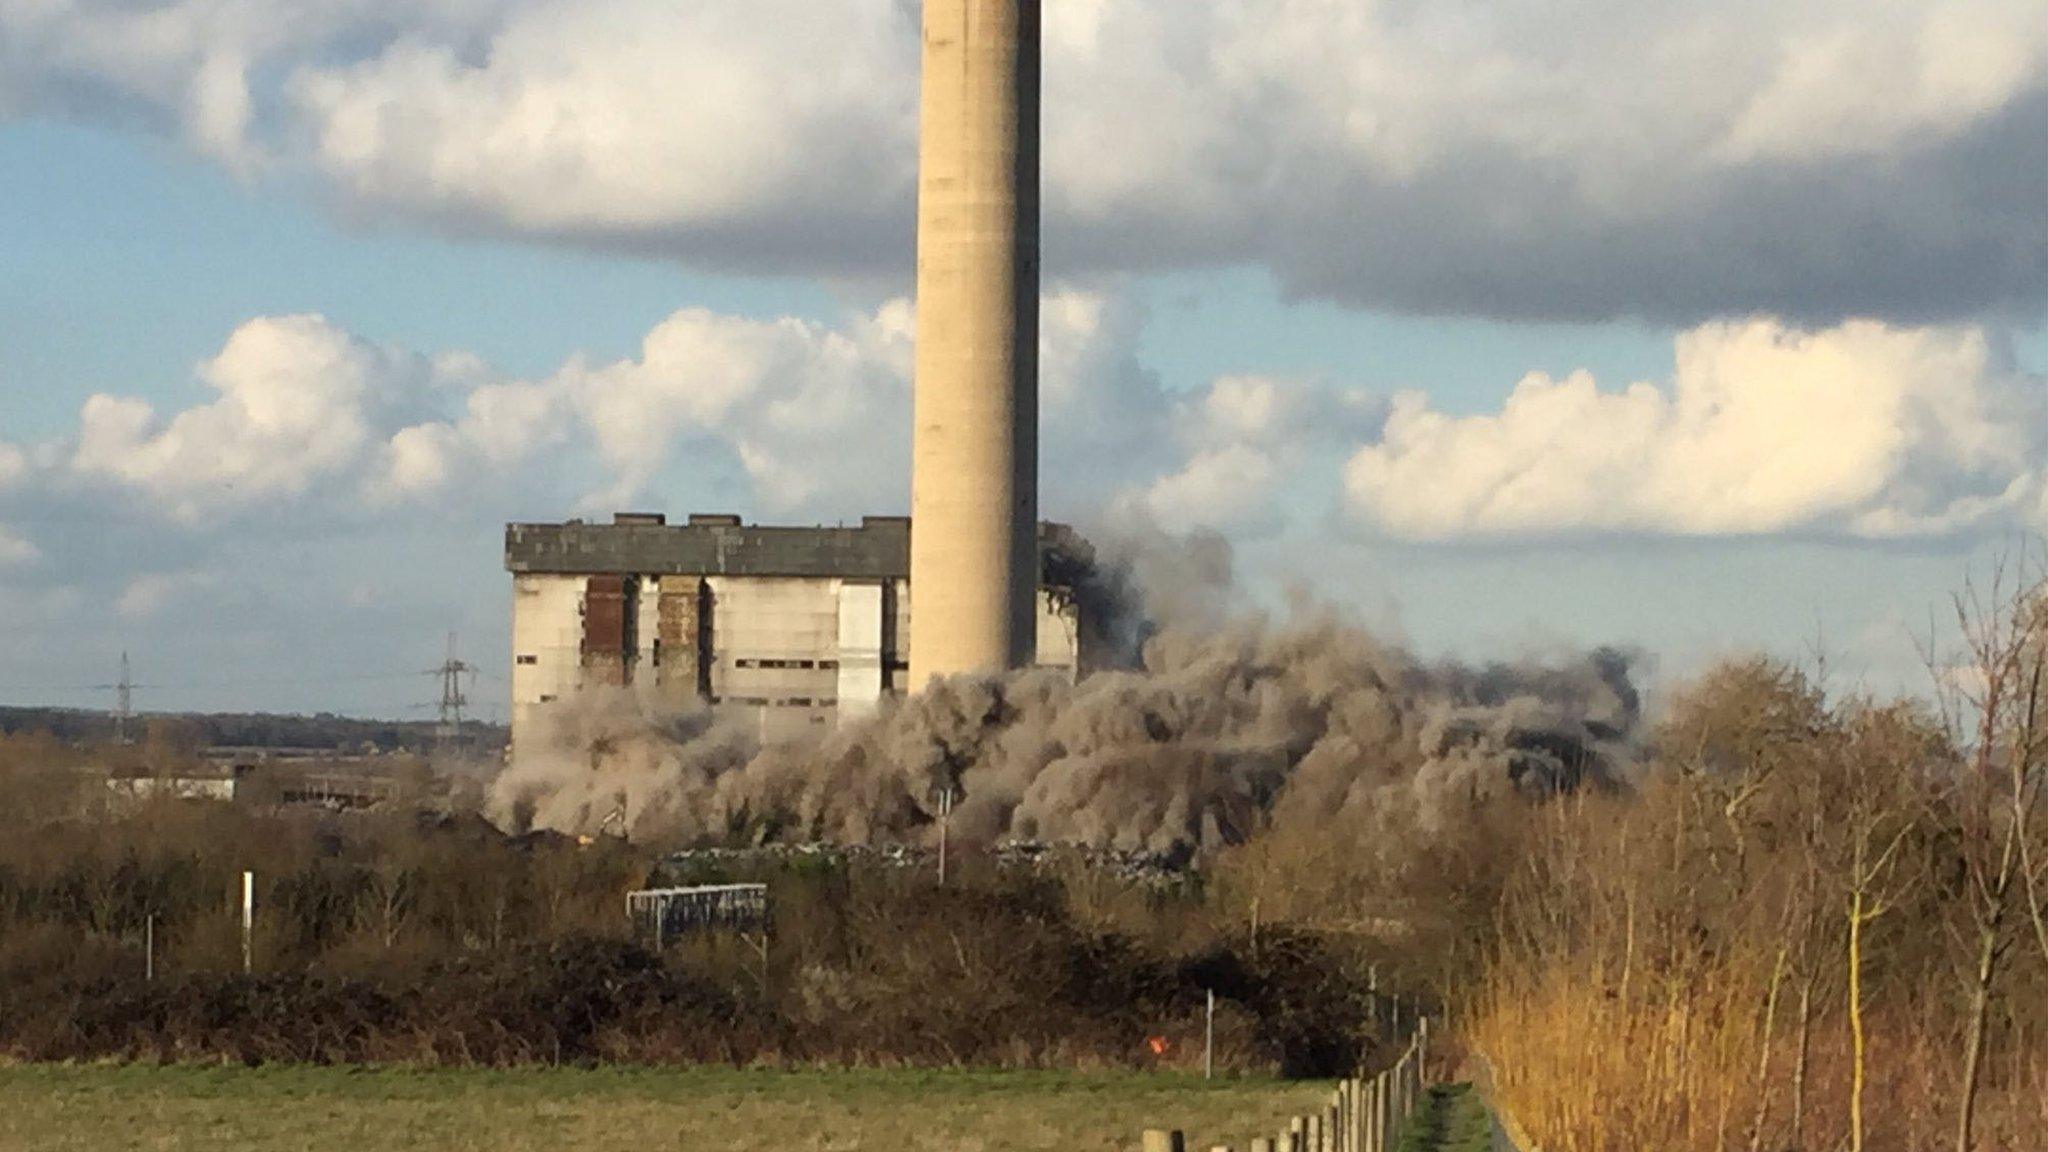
{"x":662,"y":914}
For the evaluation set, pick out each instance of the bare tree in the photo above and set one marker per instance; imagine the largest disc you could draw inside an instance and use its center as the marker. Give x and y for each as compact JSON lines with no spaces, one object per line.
{"x":1882,"y":758}
{"x":2000,"y":707}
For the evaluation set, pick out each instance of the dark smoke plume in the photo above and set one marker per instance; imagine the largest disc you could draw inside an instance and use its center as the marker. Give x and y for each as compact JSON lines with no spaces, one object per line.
{"x":1214,"y":724}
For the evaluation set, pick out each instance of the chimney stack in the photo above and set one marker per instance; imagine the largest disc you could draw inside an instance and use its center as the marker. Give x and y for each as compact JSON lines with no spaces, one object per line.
{"x":974,"y":484}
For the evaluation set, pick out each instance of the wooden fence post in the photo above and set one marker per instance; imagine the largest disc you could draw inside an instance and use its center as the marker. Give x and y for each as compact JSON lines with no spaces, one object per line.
{"x":1379,"y":1112}
{"x":1360,"y":1115}
{"x":248,"y":922}
{"x":1371,"y":1104}
{"x":1372,"y":995}
{"x":1344,"y":1116}
{"x":1357,"y":1114}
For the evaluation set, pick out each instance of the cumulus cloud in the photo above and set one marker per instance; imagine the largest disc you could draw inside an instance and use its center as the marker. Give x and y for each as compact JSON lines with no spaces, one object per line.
{"x":1928,"y":431}
{"x":1223,"y":489}
{"x":1585,"y":160}
{"x":757,"y":130}
{"x":150,"y":593}
{"x":298,"y":401}
{"x":781,"y":417}
{"x":16,"y":550}
{"x":1861,"y":430}
{"x":1242,"y":442}
{"x":330,"y":493}
{"x":796,"y":404}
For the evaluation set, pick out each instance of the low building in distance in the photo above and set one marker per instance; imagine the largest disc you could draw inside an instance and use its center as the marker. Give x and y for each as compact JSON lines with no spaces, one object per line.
{"x":797,"y":625}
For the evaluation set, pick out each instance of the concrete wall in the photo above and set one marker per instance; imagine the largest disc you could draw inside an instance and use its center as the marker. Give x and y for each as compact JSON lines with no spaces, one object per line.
{"x":217,"y":788}
{"x":974,"y":470}
{"x":547,"y":642}
{"x":790,"y":653}
{"x":1059,"y":632}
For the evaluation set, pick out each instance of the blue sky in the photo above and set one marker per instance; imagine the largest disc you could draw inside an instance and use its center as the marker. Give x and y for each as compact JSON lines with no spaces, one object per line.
{"x":354,"y":284}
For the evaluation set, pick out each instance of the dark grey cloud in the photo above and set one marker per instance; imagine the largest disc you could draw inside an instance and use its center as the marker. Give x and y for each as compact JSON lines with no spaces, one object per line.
{"x":1563,"y":161}
{"x":1949,"y":230}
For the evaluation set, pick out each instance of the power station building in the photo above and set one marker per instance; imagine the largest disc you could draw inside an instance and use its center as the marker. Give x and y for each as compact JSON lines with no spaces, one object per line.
{"x":802,"y":624}
{"x":793,"y":625}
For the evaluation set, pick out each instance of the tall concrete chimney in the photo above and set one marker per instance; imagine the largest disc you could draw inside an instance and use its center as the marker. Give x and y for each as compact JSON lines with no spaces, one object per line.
{"x":974,"y":484}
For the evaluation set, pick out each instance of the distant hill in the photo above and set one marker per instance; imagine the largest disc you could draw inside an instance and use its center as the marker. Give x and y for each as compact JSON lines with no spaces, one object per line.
{"x":255,"y":730}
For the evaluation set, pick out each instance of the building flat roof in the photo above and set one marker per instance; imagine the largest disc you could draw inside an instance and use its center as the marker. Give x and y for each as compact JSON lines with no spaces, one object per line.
{"x":878,"y":549}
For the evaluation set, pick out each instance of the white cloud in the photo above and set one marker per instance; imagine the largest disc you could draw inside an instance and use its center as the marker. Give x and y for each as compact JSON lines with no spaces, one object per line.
{"x":1585,"y":159}
{"x":630,"y":115}
{"x":1926,"y":431}
{"x":1861,"y":430}
{"x":1241,"y":444}
{"x":780,"y":416}
{"x":16,"y":550}
{"x":313,"y":430}
{"x":298,"y":402}
{"x":147,"y":595}
{"x":1273,"y":412}
{"x":1229,"y":489}
{"x":798,"y":404}
{"x":1944,"y":66}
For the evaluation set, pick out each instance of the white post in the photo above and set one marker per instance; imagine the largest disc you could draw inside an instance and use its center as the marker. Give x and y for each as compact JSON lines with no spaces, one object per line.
{"x":1422,"y":1050}
{"x":248,"y":922}
{"x":1209,"y":1039}
{"x":1372,"y":998}
{"x":945,"y":829}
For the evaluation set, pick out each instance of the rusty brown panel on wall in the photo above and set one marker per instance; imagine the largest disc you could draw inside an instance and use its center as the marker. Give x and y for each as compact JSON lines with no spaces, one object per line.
{"x":707,"y":638}
{"x":604,"y":617}
{"x":678,"y":626}
{"x":893,"y":648}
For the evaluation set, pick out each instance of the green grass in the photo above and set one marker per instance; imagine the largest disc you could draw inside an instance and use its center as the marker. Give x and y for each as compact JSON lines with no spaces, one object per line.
{"x":1452,"y":1119}
{"x":110,"y":1108}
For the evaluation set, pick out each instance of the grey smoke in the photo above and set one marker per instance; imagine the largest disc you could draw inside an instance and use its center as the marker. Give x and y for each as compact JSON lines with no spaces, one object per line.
{"x":1223,"y":723}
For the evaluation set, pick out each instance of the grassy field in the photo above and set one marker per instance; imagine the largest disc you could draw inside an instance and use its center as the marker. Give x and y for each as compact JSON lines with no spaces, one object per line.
{"x":102,"y":1109}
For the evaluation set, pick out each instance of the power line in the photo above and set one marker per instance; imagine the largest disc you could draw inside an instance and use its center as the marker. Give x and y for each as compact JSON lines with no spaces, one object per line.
{"x":453,"y":704}
{"x":196,"y":685}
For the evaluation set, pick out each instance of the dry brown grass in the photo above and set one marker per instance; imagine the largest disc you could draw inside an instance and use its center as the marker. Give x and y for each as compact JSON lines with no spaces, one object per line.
{"x":1583,"y":1071}
{"x":1796,"y":869}
{"x":103,"y":1109}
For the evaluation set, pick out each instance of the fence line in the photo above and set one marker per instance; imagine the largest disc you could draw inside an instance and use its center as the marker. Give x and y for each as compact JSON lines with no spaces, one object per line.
{"x":1364,"y":1114}
{"x":1508,"y":1136}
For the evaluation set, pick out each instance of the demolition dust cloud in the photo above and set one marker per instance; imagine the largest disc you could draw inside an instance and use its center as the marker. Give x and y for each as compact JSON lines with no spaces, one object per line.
{"x":1222,"y":722}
